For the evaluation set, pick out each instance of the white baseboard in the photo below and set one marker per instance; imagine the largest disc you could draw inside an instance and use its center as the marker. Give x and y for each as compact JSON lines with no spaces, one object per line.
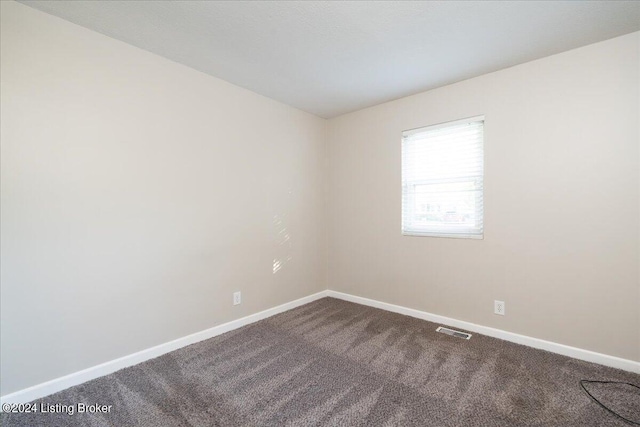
{"x":565,"y":350}
{"x":58,"y":384}
{"x":44,"y":389}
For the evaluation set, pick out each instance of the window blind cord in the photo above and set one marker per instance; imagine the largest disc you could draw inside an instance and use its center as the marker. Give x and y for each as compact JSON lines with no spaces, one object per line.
{"x":582,"y":383}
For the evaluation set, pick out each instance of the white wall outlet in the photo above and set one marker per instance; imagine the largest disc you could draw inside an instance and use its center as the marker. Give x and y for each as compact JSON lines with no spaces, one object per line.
{"x":498,"y":307}
{"x":237,"y":298}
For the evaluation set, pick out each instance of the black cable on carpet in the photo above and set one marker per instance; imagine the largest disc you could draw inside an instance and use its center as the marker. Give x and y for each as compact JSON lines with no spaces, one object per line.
{"x":582,"y":382}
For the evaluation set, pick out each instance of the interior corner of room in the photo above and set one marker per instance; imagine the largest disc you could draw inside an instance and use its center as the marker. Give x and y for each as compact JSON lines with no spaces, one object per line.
{"x":147,"y":206}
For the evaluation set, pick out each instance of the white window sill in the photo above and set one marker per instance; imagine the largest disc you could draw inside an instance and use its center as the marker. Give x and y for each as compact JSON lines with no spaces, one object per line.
{"x":445,"y":235}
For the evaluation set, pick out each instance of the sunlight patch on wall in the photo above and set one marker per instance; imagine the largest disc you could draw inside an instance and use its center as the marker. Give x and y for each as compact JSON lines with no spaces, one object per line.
{"x":283,"y":240}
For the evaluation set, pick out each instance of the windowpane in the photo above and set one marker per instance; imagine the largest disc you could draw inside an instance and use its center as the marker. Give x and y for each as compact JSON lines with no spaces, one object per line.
{"x":442,"y":180}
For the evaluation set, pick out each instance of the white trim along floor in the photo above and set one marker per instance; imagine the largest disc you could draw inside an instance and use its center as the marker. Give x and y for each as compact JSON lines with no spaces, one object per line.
{"x":44,"y":389}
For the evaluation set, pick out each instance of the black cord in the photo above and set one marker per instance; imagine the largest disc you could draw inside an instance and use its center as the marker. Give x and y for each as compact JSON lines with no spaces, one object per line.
{"x":601,"y":404}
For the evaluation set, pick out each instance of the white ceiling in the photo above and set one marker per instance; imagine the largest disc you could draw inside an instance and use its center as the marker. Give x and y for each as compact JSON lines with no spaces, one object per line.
{"x":330,"y":58}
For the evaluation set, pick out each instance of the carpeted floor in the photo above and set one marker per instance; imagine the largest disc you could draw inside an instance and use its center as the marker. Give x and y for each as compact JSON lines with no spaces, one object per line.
{"x":336,"y":363}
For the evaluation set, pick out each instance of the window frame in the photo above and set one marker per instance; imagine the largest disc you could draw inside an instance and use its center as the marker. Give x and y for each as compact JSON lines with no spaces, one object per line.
{"x":417,"y":233}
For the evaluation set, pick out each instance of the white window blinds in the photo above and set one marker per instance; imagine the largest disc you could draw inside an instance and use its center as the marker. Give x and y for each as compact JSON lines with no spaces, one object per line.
{"x":442,"y":180}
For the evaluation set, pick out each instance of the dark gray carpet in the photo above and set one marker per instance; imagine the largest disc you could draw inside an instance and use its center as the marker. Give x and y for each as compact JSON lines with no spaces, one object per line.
{"x":335,"y":363}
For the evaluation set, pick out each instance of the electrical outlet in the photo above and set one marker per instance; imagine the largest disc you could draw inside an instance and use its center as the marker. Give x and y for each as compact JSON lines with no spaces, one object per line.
{"x":237,"y":298}
{"x":498,"y":307}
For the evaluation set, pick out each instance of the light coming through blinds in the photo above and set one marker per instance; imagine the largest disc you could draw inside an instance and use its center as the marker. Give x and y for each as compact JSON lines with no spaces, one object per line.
{"x":442,"y":180}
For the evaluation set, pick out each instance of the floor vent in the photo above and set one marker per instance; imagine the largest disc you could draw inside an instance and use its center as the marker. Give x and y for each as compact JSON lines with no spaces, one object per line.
{"x":453,"y":333}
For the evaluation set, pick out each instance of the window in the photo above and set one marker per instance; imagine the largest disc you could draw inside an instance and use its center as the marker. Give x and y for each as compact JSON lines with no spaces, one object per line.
{"x":442,"y":180}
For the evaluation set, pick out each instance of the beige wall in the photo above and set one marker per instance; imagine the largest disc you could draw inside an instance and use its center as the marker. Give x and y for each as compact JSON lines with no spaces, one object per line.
{"x":137,"y":195}
{"x":561,"y":202}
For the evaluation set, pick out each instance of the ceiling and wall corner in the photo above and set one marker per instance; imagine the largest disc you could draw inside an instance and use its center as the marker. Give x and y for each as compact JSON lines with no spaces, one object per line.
{"x":333,"y":57}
